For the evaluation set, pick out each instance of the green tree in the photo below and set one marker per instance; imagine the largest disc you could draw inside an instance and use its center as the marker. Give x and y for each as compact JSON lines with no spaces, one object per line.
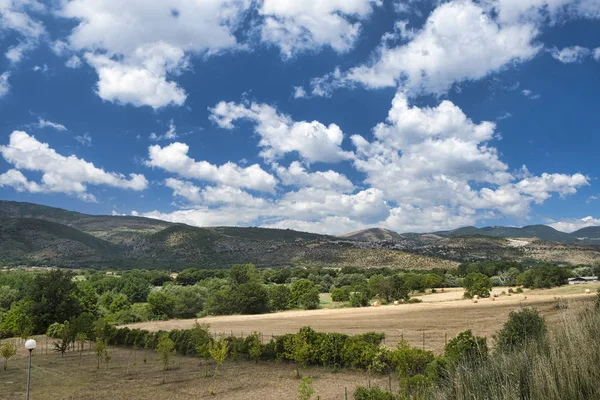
{"x":135,"y":288}
{"x":188,"y":300}
{"x":53,"y":296}
{"x":545,"y":276}
{"x":81,"y":338}
{"x":477,"y":284}
{"x":8,"y":296}
{"x":359,"y":299}
{"x":18,"y":321}
{"x":433,"y":281}
{"x":341,"y":294}
{"x":521,"y":327}
{"x":251,"y":298}
{"x":165,"y":350}
{"x":120,"y":303}
{"x":466,"y":346}
{"x":218,"y":350}
{"x":161,"y":304}
{"x":242,"y":273}
{"x":99,"y":350}
{"x":7,"y":351}
{"x":279,"y":297}
{"x":304,"y":294}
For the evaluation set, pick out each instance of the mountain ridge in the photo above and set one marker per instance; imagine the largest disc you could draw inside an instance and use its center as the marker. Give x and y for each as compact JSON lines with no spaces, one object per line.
{"x":31,"y":234}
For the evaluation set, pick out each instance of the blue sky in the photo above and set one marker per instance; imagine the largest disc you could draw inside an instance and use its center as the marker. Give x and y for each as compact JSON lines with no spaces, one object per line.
{"x":319,"y":115}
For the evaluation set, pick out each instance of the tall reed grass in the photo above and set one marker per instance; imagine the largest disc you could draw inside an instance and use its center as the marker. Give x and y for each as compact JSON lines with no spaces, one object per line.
{"x":565,"y":365}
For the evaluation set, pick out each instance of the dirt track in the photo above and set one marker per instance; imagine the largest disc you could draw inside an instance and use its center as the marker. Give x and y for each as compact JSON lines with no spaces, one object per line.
{"x":436,"y":321}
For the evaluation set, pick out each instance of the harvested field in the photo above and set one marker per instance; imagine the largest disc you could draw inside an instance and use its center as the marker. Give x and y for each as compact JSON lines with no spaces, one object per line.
{"x":434,"y":321}
{"x":68,"y":378}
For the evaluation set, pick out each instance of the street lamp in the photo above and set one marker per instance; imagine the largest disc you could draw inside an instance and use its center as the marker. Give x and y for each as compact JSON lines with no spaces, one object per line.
{"x":29,"y":345}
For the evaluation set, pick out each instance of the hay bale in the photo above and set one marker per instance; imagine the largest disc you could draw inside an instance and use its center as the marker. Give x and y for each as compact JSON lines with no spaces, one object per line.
{"x":588,"y":291}
{"x":396,"y":302}
{"x":377,"y":303}
{"x":476,"y":297}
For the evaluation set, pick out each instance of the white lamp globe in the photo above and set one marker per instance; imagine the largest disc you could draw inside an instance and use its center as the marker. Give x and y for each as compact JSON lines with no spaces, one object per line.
{"x":30,"y":344}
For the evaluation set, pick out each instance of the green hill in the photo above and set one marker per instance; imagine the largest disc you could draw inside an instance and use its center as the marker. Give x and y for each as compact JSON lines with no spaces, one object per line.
{"x":38,"y":242}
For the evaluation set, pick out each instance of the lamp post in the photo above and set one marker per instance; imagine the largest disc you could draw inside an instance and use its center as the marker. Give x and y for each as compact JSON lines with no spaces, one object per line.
{"x":29,"y":345}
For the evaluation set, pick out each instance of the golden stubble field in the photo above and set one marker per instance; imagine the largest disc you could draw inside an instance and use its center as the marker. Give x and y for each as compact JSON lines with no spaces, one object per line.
{"x":440,"y":317}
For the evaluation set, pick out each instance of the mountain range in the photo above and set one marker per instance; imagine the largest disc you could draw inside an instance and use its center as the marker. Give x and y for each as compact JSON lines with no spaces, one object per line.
{"x":32,"y":234}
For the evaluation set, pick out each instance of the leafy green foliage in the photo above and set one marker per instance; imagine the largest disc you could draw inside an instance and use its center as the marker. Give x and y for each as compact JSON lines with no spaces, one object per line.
{"x":304,"y":294}
{"x":306,"y":391}
{"x":7,"y":351}
{"x":545,"y":276}
{"x":341,"y":294}
{"x":279,"y":297}
{"x":522,"y":327}
{"x":165,"y":350}
{"x":363,"y":393}
{"x":477,"y":284}
{"x":466,"y":346}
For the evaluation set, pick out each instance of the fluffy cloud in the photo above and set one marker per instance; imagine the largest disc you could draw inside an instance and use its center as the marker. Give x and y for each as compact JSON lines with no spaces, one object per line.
{"x":574,"y":54}
{"x":17,"y":16}
{"x":460,"y":41}
{"x":296,"y":26}
{"x":140,"y":82}
{"x":174,"y":158}
{"x":213,"y":195}
{"x":426,"y":168}
{"x":426,"y":158}
{"x":281,"y":135}
{"x":137,"y":46}
{"x":4,"y":84}
{"x":573,"y":225}
{"x":296,"y":175}
{"x":539,"y":187}
{"x":60,"y":173}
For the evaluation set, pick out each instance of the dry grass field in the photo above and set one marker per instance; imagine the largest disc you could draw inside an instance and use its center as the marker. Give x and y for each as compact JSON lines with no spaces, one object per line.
{"x":440,"y":318}
{"x":71,"y":378}
{"x":435,"y":321}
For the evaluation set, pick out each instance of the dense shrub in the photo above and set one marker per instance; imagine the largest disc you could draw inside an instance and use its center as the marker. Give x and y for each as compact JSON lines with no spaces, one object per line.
{"x":521,"y":327}
{"x":466,"y":346}
{"x":341,"y":294}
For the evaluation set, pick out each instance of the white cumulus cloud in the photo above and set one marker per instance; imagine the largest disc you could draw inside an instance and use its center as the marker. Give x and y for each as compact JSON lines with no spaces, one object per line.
{"x":573,"y":225}
{"x":61,"y":174}
{"x":138,"y":47}
{"x":281,"y":135}
{"x":174,"y":158}
{"x":460,"y":41}
{"x":297,"y":26}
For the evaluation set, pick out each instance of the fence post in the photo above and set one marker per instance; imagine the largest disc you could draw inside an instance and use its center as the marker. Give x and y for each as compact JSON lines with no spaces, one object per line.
{"x":423,"y":340}
{"x":445,"y":338}
{"x":346,"y":393}
{"x":390,"y":382}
